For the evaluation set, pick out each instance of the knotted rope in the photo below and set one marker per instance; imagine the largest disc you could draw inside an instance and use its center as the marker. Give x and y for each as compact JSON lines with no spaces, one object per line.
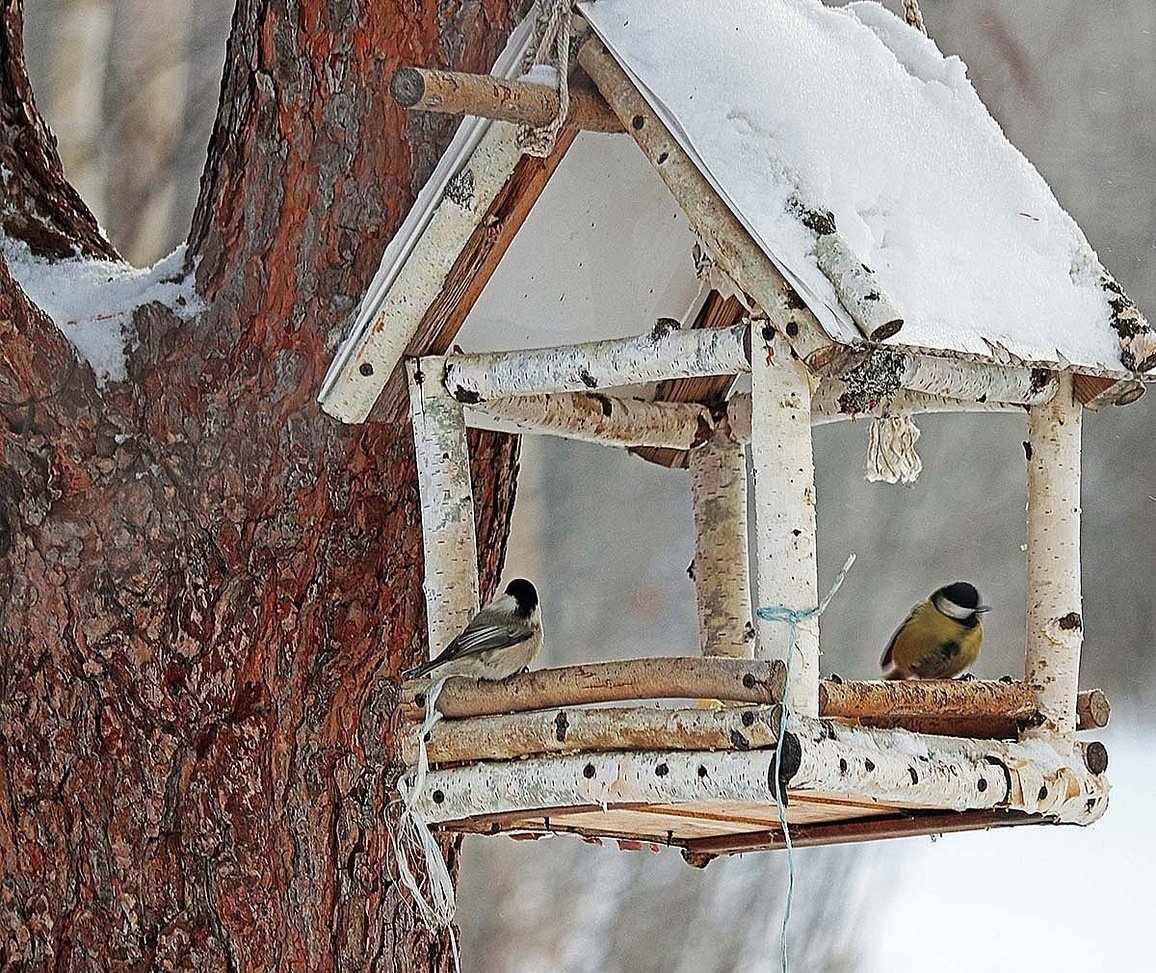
{"x":792,"y":617}
{"x":436,"y":905}
{"x":552,"y":29}
{"x":914,"y":16}
{"x":891,"y":455}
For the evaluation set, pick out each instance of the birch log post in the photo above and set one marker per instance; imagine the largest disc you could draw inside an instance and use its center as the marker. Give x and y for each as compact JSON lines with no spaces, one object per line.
{"x":784,"y":474}
{"x":721,"y":570}
{"x":665,"y":352}
{"x":447,"y":503}
{"x":1055,"y":627}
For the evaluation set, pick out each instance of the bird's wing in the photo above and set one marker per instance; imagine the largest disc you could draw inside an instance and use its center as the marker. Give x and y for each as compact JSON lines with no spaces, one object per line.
{"x":886,"y":660}
{"x":485,"y":633}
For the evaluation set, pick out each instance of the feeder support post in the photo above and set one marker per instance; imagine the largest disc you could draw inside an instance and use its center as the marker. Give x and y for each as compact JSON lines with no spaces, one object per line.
{"x":721,"y":569}
{"x":784,"y":474}
{"x":447,"y":502}
{"x":1055,"y":628}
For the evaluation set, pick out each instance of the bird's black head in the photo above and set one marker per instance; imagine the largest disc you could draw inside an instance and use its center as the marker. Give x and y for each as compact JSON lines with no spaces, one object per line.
{"x":959,"y":600}
{"x":524,"y":594}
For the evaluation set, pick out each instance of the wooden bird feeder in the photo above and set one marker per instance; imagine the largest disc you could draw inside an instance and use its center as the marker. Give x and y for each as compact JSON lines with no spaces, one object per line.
{"x":775,"y":341}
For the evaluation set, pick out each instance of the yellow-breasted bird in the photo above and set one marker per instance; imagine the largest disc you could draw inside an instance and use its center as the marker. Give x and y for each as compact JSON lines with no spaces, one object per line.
{"x":940,"y":638}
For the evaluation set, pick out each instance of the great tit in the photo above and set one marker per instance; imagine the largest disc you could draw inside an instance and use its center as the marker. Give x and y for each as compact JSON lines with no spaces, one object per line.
{"x":501,"y":639}
{"x":940,"y":638}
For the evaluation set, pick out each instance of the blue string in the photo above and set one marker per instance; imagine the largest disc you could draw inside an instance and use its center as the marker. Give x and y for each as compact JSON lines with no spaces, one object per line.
{"x":792,"y":617}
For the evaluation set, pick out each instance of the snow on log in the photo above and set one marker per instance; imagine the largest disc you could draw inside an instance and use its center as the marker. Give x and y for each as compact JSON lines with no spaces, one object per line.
{"x":784,"y":473}
{"x":857,"y":764}
{"x":689,"y":677}
{"x":721,"y":570}
{"x":882,"y":372}
{"x":720,"y":230}
{"x":447,"y":503}
{"x":665,"y":352}
{"x":1055,"y":626}
{"x":574,"y":730}
{"x":488,"y":96}
{"x":597,"y":418}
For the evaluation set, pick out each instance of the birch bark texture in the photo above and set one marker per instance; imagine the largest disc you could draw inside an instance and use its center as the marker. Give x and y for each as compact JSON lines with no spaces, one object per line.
{"x":721,"y":569}
{"x":1055,"y":625}
{"x":784,"y":474}
{"x":447,"y":502}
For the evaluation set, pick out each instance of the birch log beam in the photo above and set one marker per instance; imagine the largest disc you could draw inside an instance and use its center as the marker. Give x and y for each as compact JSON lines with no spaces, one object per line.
{"x":721,"y":569}
{"x":597,"y":418}
{"x":447,"y":503}
{"x":709,"y":217}
{"x":730,"y":680}
{"x":784,"y":474}
{"x":1055,"y":627}
{"x":573,"y":730}
{"x":489,"y":96}
{"x":662,"y":353}
{"x":856,"y":764}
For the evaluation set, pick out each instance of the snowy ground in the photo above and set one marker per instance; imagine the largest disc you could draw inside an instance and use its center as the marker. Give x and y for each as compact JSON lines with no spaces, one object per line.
{"x":1039,"y":898}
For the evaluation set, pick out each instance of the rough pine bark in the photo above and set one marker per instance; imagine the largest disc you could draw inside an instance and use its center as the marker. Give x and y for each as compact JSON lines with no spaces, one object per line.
{"x":207,"y":587}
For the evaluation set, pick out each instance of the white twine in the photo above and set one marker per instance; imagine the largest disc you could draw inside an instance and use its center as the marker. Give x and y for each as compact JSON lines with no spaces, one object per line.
{"x":436,"y":905}
{"x":914,"y":16}
{"x":792,"y":617}
{"x":891,"y":455}
{"x":552,"y":29}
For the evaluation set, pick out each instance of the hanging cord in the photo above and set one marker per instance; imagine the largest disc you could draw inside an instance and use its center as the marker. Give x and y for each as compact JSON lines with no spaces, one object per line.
{"x":891,"y":455}
{"x":435,"y":905}
{"x":792,"y":617}
{"x":914,"y":16}
{"x":552,"y":30}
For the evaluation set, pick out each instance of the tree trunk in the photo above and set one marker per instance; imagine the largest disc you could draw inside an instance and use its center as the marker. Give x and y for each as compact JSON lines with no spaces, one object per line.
{"x":208,"y":587}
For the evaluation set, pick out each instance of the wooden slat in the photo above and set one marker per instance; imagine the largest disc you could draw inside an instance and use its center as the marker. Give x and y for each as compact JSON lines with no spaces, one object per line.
{"x":1095,"y":393}
{"x":717,"y":312}
{"x":473,"y":269}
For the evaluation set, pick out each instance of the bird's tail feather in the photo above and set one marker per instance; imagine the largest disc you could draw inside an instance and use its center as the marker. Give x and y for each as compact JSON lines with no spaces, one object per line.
{"x":418,"y":671}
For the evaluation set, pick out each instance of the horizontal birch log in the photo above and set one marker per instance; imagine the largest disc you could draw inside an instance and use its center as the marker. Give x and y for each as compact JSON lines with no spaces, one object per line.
{"x":689,"y":677}
{"x":856,"y":764}
{"x":664,"y":352}
{"x":574,"y":730}
{"x":520,"y":102}
{"x":883,"y":371}
{"x":926,"y":697}
{"x":597,"y":418}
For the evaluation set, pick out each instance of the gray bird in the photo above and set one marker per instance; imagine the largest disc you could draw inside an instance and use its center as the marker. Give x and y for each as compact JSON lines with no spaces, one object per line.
{"x":501,"y":639}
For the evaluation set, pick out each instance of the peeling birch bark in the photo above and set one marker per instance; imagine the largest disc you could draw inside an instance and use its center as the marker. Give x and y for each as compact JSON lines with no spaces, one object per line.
{"x":1055,"y":627}
{"x":861,"y":765}
{"x":664,"y":352}
{"x":721,"y":572}
{"x":784,"y":473}
{"x":575,"y":730}
{"x":596,"y":418}
{"x":709,"y":217}
{"x":690,"y":677}
{"x":447,"y":505}
{"x":884,"y":371}
{"x":351,"y":393}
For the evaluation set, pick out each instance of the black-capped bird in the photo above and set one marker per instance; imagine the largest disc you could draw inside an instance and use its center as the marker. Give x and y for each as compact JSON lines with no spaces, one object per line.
{"x":501,"y":639}
{"x":940,"y":638}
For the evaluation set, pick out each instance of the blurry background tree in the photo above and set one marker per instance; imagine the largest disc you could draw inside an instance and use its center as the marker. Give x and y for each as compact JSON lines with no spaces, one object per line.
{"x":129,"y":86}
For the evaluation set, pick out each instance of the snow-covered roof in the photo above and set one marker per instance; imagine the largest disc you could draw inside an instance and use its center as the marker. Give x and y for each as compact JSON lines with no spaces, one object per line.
{"x":851,"y":111}
{"x":792,"y":110}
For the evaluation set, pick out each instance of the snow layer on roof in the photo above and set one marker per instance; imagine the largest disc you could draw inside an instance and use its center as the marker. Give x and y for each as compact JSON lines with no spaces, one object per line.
{"x":850,"y":110}
{"x":92,"y":301}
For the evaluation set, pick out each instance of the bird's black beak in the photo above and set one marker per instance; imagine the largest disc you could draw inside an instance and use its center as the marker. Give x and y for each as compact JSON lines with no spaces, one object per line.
{"x":983,"y":608}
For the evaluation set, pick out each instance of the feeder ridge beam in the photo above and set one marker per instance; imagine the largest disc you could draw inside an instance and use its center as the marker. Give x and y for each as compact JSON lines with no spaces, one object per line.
{"x":447,"y":505}
{"x":489,"y":96}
